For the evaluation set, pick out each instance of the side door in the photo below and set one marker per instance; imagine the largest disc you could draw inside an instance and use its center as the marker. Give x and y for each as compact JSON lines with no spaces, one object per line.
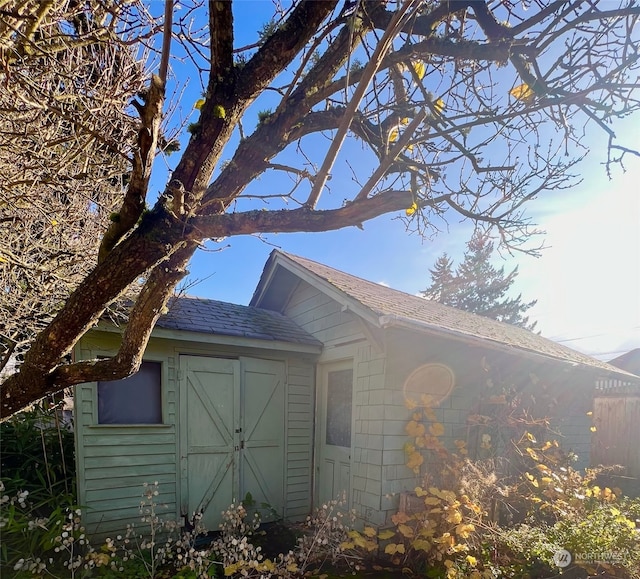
{"x":335,"y":436}
{"x":209,"y":418}
{"x":263,"y":426}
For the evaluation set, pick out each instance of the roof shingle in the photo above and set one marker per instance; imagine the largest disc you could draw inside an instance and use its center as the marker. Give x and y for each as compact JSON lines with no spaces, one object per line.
{"x":200,"y":315}
{"x":394,"y":307}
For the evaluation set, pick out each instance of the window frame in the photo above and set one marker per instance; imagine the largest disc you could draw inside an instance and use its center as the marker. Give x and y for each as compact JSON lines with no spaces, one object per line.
{"x":163,"y":398}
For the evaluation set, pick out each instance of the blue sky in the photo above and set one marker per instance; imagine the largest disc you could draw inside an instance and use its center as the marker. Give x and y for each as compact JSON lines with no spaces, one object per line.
{"x":587,"y":281}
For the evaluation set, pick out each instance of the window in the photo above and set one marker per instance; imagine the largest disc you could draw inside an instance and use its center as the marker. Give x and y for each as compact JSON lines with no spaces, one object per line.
{"x":339,"y":398}
{"x":133,"y":400}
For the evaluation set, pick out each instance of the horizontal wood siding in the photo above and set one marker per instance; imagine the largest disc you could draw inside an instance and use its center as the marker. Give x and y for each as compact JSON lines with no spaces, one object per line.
{"x":299,"y":447}
{"x":114,"y":462}
{"x":321,"y":316}
{"x":115,"y":473}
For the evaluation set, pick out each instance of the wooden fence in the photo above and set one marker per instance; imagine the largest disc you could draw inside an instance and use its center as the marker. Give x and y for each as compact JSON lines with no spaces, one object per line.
{"x":617,"y":436}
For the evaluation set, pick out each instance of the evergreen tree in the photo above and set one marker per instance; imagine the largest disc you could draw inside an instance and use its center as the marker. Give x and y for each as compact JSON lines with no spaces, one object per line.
{"x":442,"y":281}
{"x":477,"y":286}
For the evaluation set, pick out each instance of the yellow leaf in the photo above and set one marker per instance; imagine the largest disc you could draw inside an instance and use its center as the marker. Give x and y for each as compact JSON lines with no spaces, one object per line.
{"x":199,"y":104}
{"x":472,"y":560}
{"x":414,"y":428}
{"x":393,"y":135}
{"x":438,"y":106}
{"x":409,"y":402}
{"x":464,"y":530}
{"x":421,"y":545}
{"x":531,"y":437}
{"x":414,"y":461}
{"x":454,"y":517}
{"x":358,"y":539}
{"x":231,"y":569}
{"x":589,"y":413}
{"x":593,"y":429}
{"x":420,"y":492}
{"x":347,"y":545}
{"x":437,"y":429}
{"x":419,"y":67}
{"x":431,"y":501}
{"x":384,"y":535}
{"x":400,"y":518}
{"x":522,"y":92}
{"x":411,"y":210}
{"x":54,"y":222}
{"x":393,"y":548}
{"x":406,"y":531}
{"x":369,"y":531}
{"x":428,"y":401}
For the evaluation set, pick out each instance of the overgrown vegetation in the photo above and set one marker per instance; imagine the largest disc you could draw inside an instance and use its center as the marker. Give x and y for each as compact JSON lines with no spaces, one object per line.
{"x":516,"y":509}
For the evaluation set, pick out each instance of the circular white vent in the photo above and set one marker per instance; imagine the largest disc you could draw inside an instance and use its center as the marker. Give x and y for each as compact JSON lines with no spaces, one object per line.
{"x":428,"y":385}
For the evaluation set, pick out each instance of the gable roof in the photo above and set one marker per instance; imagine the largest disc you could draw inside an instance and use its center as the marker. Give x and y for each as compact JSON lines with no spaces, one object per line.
{"x":385,"y":307}
{"x":629,"y":361}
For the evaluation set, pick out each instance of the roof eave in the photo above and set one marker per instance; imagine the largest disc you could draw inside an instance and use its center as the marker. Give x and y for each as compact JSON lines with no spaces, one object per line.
{"x":392,"y":320}
{"x":223,"y":339}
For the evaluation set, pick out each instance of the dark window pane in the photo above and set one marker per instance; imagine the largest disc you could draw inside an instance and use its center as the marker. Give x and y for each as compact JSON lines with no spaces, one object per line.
{"x":339,"y":394}
{"x":134,"y":400}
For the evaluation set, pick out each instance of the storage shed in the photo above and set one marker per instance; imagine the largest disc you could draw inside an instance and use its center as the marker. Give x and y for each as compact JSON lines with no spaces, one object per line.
{"x":223,"y":405}
{"x":302,"y":397}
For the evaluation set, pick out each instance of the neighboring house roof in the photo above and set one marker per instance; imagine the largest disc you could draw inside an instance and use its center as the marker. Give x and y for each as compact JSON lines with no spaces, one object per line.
{"x":191,"y":314}
{"x":629,"y":362}
{"x":385,"y":307}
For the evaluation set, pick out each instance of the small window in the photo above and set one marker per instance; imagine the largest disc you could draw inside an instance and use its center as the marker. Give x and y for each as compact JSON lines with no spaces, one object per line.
{"x":339,"y":403}
{"x":133,"y":400}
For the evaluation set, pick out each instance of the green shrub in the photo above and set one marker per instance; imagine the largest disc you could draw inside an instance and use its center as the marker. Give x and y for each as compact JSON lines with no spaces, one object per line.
{"x":38,"y":456}
{"x":38,"y":483}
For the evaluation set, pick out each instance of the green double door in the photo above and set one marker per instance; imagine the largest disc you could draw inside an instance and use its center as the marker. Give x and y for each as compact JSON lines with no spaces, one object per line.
{"x":232,"y":434}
